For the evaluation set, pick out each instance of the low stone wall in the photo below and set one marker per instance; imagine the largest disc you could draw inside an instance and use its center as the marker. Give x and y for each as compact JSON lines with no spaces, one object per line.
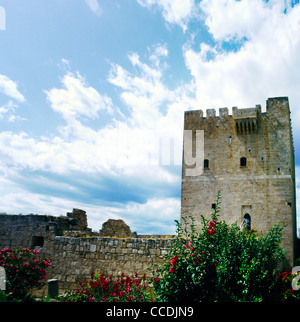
{"x":73,"y":258}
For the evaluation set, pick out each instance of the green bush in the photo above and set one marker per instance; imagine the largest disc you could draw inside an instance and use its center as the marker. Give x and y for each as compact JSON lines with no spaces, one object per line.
{"x":3,"y":296}
{"x":220,"y":262}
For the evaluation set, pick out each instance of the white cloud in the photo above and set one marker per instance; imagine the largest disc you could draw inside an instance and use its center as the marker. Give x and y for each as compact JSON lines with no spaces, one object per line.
{"x":77,"y":98}
{"x":121,"y":148}
{"x":158,"y":214}
{"x":64,"y":65}
{"x":8,"y":111}
{"x":122,"y":160}
{"x":95,"y":7}
{"x":6,"y":108}
{"x":173,"y":11}
{"x":9,"y":88}
{"x":148,"y":98}
{"x":158,"y":52}
{"x":227,"y":19}
{"x":266,"y":65}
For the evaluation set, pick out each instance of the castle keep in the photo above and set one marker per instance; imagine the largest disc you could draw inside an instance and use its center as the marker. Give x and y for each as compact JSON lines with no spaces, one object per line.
{"x":249,"y":157}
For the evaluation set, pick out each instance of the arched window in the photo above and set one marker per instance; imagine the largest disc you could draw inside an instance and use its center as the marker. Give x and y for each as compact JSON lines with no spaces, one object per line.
{"x":243,"y":162}
{"x":247,"y":222}
{"x":206,"y":164}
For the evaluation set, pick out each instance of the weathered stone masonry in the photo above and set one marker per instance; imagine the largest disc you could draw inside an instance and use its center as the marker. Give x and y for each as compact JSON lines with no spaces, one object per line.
{"x":249,"y":157}
{"x":73,"y":257}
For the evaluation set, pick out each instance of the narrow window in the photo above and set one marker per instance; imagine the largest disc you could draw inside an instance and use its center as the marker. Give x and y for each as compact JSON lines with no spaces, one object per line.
{"x":247,"y":222}
{"x":37,"y":241}
{"x":206,"y":164}
{"x":213,"y":206}
{"x":243,"y":162}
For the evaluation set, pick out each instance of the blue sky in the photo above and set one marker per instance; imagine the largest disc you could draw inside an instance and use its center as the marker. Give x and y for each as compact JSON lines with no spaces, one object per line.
{"x":92,"y":92}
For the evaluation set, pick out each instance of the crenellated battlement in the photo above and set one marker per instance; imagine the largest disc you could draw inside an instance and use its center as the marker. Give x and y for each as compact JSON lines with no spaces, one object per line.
{"x":273,"y":105}
{"x":245,"y":120}
{"x":237,"y":113}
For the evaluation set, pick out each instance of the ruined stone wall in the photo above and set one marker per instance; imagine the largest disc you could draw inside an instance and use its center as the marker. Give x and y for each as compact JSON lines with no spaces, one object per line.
{"x":115,"y":228}
{"x":32,"y":230}
{"x":264,"y":188}
{"x":73,"y":258}
{"x":29,"y":230}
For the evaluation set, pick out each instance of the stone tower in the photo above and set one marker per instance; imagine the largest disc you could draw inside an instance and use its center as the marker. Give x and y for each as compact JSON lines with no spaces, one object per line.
{"x":249,"y":157}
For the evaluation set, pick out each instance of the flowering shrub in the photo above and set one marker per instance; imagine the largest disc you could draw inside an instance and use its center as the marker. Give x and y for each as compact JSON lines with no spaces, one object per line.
{"x":283,"y":291}
{"x":218,"y":263}
{"x":102,"y":288}
{"x":23,"y":271}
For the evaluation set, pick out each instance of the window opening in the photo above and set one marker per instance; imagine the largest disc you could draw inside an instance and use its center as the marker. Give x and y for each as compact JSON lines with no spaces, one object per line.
{"x":247,"y":222}
{"x":206,"y":164}
{"x":243,"y":162}
{"x":37,"y":241}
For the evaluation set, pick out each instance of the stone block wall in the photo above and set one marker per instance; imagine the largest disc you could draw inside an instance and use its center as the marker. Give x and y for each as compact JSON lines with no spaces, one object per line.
{"x":38,"y":230}
{"x":73,"y":258}
{"x":28,"y":231}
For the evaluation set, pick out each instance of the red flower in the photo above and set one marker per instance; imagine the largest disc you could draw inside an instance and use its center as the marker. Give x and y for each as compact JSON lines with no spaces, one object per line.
{"x":47,"y":263}
{"x":174,"y":263}
{"x":212,"y":228}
